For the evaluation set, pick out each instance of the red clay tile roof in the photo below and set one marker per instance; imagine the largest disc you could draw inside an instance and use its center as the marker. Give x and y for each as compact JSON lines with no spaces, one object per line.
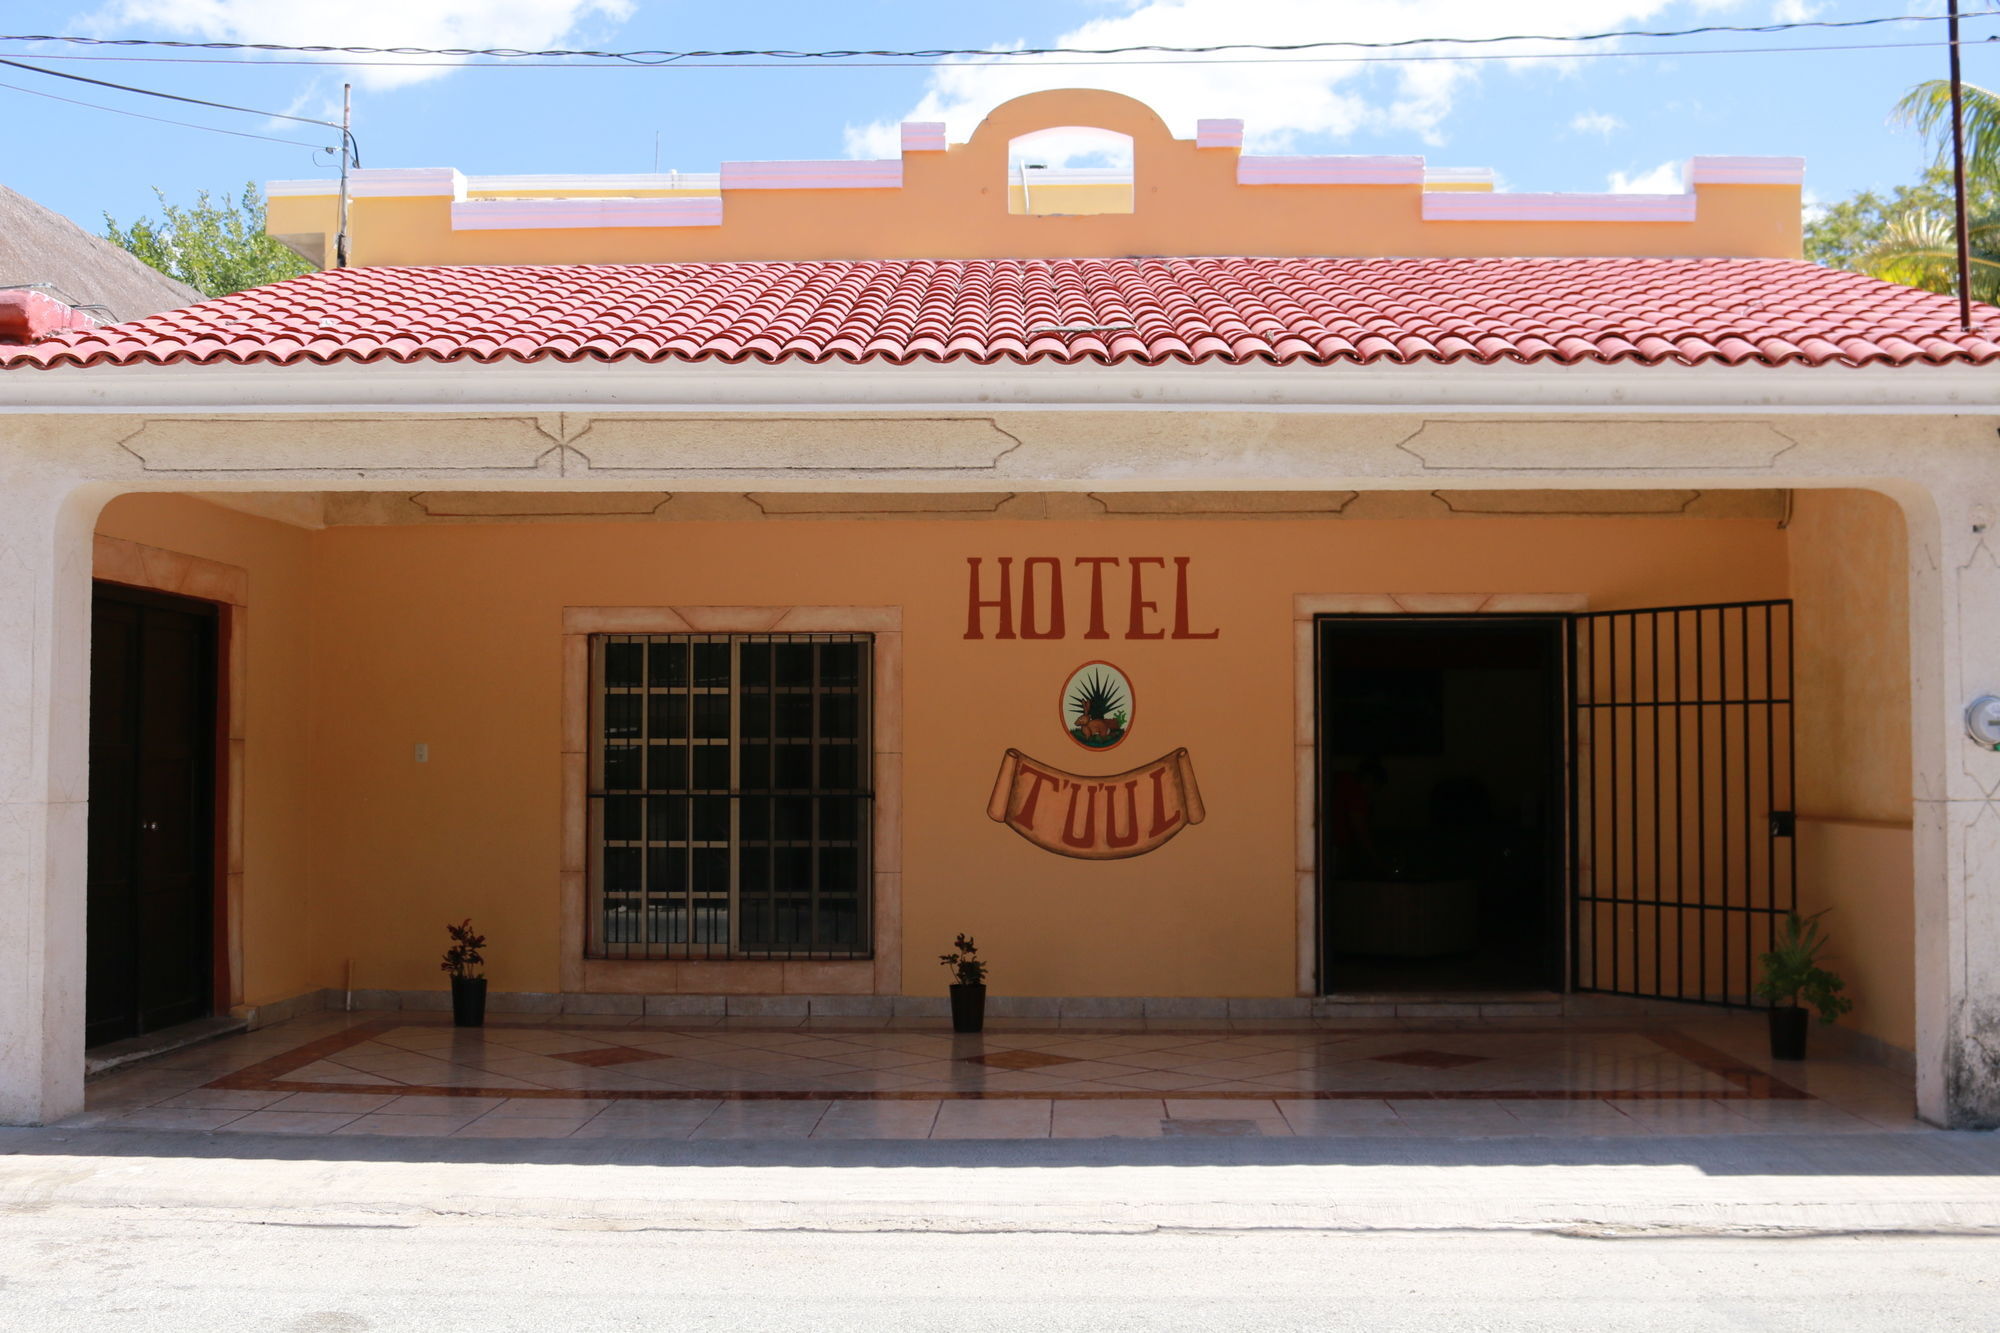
{"x":1144,"y":311}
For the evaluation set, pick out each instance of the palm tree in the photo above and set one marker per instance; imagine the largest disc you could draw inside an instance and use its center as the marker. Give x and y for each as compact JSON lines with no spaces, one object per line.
{"x":1918,"y":245}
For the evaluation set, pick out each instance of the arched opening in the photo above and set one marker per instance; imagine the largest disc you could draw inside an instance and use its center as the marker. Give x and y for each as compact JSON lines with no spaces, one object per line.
{"x":1069,"y":170}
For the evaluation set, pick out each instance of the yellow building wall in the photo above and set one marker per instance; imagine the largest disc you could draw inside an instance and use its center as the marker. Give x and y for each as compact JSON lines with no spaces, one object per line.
{"x":964,"y":202}
{"x":449,"y":636}
{"x":277,"y":787}
{"x":1850,"y":583}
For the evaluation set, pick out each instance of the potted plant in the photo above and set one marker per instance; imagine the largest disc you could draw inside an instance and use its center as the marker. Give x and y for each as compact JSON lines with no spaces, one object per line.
{"x":1793,"y":980}
{"x":968,"y":986}
{"x":463,"y":961}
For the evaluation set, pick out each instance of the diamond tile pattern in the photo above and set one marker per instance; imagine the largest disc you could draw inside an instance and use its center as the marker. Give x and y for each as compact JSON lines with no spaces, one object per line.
{"x":1141,"y":311}
{"x":602,"y":1056}
{"x":1020,"y":1059}
{"x":1428,"y":1059}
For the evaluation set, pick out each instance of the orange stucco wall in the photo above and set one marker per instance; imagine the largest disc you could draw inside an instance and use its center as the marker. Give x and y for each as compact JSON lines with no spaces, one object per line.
{"x":958,"y":204}
{"x":277,"y":899}
{"x":1850,"y":581}
{"x":449,"y":636}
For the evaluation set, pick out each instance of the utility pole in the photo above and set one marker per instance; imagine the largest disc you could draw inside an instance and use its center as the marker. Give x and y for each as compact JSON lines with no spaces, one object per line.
{"x":347,"y":139}
{"x":1958,"y":172}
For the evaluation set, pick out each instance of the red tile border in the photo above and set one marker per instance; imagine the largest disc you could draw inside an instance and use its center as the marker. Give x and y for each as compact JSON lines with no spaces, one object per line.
{"x":1748,"y":1082}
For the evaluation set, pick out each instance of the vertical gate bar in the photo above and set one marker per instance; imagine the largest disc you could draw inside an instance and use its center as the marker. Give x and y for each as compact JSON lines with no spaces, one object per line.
{"x":1579,"y":783}
{"x":1680,"y":831}
{"x":1791,"y":761}
{"x":1659,"y":976}
{"x":1632,"y":772}
{"x":1749,"y":825}
{"x":1701,"y":804}
{"x":1724,"y":863}
{"x":1611,"y":689}
{"x":1770,"y":776}
{"x":1595,"y":958}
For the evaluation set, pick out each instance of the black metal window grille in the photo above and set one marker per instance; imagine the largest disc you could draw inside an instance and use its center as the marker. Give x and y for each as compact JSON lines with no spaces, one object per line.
{"x":1682,"y":853}
{"x":731,"y":800}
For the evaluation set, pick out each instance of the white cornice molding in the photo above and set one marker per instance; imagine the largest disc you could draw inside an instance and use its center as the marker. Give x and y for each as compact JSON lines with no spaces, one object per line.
{"x":630,"y":386}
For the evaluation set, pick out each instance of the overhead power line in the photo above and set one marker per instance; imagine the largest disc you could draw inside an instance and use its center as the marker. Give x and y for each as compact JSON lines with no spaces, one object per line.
{"x":162,"y":120}
{"x":1473,"y":57}
{"x":347,"y":135}
{"x":940,"y":53}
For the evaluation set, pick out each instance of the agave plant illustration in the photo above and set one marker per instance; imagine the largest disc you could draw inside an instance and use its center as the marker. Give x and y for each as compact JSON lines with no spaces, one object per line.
{"x":1096,"y":696}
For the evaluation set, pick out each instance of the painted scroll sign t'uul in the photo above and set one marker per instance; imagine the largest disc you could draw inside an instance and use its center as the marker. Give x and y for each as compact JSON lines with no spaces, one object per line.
{"x":1096,"y":818}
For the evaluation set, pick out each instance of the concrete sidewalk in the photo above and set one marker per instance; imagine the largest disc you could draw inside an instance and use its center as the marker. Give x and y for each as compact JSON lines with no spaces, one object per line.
{"x":1902,"y":1183}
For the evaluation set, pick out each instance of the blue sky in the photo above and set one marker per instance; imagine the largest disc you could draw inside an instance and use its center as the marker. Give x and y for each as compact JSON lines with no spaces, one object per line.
{"x":1586,"y":124}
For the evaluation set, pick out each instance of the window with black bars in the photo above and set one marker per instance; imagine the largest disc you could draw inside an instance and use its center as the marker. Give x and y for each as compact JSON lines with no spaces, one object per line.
{"x":731,"y":795}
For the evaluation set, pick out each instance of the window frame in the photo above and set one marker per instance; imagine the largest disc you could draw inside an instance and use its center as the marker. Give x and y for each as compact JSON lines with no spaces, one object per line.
{"x":735,"y":899}
{"x":620,"y":983}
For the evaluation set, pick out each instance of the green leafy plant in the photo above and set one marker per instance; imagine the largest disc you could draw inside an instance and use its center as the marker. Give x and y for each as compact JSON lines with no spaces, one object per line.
{"x":463,"y":958}
{"x":216,"y":246}
{"x":967,"y":969}
{"x":1792,"y":974}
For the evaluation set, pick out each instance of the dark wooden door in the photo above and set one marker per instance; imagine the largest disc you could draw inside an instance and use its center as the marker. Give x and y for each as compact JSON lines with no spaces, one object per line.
{"x":152,"y":812}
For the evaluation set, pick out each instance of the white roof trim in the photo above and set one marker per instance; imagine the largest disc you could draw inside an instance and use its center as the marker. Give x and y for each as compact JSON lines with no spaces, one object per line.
{"x":875,"y":174}
{"x":620,"y":386}
{"x":1472,"y":206}
{"x":1747,"y":171}
{"x":1329,"y":170}
{"x":538,"y":214}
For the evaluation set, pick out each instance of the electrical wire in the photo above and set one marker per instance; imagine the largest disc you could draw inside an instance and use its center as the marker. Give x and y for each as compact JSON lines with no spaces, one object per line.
{"x":140,"y":115}
{"x":662,"y":56}
{"x":1049,"y":64}
{"x":353,"y":145}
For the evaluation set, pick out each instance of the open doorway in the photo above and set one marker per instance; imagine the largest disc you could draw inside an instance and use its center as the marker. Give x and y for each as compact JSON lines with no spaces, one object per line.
{"x":152,"y":825}
{"x":1441,"y":769}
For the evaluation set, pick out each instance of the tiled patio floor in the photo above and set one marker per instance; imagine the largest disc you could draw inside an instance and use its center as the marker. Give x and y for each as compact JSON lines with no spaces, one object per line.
{"x":570,"y":1077}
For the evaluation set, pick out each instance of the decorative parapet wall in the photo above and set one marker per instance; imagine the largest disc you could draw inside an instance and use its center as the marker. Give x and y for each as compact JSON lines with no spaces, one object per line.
{"x":952,"y":201}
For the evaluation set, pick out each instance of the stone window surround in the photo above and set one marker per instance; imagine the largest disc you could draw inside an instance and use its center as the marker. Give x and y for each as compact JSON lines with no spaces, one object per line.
{"x":134,"y":565}
{"x":880,"y":975}
{"x":1305,"y":734}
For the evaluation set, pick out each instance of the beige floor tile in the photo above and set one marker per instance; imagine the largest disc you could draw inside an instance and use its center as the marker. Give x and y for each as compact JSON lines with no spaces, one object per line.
{"x":1223,"y":1108}
{"x":648,"y":1120}
{"x":383,"y":1122}
{"x":223,"y":1099}
{"x":516,"y":1127}
{"x":160,"y":1117}
{"x":878,"y":1120}
{"x":762,"y":1120}
{"x":1136,"y":1119}
{"x":290,"y":1122}
{"x":357,"y":1103}
{"x":461,"y":1107}
{"x":1014,"y":1118}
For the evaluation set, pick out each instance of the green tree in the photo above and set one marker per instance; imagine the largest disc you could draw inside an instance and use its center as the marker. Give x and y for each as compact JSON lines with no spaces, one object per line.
{"x":215,"y":246}
{"x":1911,"y":236}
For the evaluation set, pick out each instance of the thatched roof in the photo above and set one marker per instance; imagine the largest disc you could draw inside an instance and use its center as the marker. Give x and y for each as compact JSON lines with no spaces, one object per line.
{"x":40,"y":245}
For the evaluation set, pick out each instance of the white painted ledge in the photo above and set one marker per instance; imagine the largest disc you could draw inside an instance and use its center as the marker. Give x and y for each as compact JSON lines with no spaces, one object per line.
{"x":1474,"y":206}
{"x":1329,"y":170}
{"x":541,"y":214}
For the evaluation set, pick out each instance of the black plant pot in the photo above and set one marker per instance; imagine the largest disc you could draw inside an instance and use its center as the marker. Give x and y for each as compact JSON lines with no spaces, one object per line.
{"x":1788,"y":1032}
{"x":968,"y":1008}
{"x":468,"y":1002}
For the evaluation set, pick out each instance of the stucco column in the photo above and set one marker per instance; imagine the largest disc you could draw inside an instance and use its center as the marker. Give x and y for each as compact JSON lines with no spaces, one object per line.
{"x":1955,"y":642}
{"x":45,"y":558}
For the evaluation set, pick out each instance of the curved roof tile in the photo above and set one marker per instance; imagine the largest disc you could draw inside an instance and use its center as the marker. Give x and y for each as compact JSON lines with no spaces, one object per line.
{"x":1115,"y":311}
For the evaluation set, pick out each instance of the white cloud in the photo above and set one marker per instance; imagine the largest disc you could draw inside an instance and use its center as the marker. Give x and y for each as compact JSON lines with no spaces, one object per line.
{"x":1601,"y":123}
{"x":425,"y":23}
{"x":1793,"y":11}
{"x":1663,"y":179}
{"x":1279,"y":103}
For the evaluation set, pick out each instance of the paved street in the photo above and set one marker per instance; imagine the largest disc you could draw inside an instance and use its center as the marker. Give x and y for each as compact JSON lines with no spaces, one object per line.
{"x":176,"y":1231}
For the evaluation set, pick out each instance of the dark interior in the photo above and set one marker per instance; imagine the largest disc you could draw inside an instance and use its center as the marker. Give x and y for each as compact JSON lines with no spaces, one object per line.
{"x":1441,"y":745}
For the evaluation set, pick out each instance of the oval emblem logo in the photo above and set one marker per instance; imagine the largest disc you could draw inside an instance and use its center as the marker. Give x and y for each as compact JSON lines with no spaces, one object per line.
{"x":1097,"y":706}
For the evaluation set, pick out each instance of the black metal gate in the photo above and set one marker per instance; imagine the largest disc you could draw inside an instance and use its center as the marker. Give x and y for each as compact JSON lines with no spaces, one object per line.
{"x":1681,"y":849}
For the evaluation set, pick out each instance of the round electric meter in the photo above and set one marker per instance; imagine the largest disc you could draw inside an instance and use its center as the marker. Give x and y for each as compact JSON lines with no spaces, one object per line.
{"x":1982,"y":721}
